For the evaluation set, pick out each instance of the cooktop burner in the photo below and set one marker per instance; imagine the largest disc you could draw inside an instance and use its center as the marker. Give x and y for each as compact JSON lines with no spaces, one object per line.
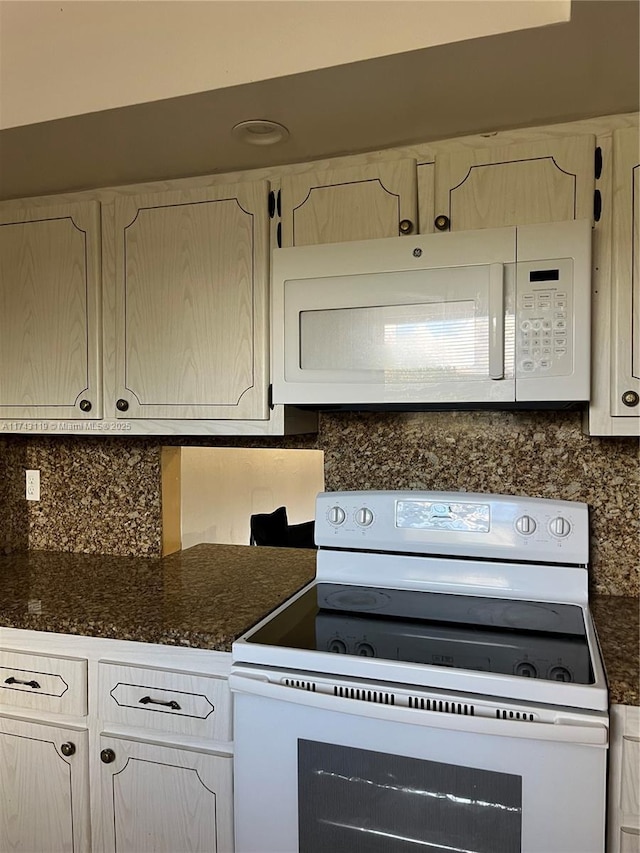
{"x":523,"y":638}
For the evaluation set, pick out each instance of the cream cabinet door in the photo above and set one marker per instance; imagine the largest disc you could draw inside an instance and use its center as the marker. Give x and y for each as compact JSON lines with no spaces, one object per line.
{"x":44,"y":805}
{"x":359,"y":203}
{"x":623,"y":816}
{"x":158,"y":799}
{"x":625,"y":352}
{"x":518,"y":184}
{"x":50,"y":312}
{"x":191,"y":303}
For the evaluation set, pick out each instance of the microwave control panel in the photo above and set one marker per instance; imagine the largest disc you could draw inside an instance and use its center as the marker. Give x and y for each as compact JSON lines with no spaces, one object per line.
{"x":544,"y":319}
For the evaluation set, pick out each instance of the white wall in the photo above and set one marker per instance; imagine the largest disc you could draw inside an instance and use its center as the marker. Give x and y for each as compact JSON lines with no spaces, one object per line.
{"x":222,"y":487}
{"x":64,"y":58}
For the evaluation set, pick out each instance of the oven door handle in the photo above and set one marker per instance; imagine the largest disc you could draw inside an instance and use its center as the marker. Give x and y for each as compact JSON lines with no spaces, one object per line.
{"x":567,"y":728}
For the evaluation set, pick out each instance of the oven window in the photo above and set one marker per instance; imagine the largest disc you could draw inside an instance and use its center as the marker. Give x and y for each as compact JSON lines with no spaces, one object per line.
{"x":359,"y":801}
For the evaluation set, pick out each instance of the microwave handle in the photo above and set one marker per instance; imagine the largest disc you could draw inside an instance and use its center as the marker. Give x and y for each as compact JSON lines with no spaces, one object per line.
{"x":496,"y":321}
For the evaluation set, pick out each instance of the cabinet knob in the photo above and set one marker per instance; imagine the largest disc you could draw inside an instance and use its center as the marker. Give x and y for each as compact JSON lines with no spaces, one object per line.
{"x":442,"y":222}
{"x":405,"y":226}
{"x":85,"y":405}
{"x":122,"y":405}
{"x":107,"y":756}
{"x":68,"y":748}
{"x":630,"y":398}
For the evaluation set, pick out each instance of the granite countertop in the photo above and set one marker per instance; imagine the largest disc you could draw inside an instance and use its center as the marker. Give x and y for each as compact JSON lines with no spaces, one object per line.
{"x":204,"y":597}
{"x":208,"y":595}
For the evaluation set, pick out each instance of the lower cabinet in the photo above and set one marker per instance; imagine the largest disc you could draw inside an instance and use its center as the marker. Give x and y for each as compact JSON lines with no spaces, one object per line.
{"x":103,"y":755}
{"x":624,"y":780}
{"x":161,"y":799}
{"x":45,"y":788}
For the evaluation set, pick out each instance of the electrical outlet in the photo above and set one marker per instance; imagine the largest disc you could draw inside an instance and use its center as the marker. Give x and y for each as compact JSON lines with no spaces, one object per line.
{"x":33,"y":485}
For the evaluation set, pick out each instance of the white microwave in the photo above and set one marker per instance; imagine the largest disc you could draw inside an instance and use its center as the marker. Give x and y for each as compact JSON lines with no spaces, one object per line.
{"x":495,"y":318}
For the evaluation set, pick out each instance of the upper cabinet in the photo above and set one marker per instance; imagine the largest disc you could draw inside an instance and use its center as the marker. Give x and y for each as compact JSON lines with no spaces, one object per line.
{"x":516,"y":184}
{"x":625,"y":337}
{"x":360,"y":203}
{"x":615,"y":361}
{"x":50,"y":312}
{"x":145,"y":310}
{"x":191,"y":303}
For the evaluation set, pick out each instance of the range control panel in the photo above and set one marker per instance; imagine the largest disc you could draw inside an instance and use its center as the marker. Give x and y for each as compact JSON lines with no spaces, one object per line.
{"x":454,"y":523}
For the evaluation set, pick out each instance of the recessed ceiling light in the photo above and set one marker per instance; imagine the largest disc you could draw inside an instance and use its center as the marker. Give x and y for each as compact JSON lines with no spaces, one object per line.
{"x":260,"y":131}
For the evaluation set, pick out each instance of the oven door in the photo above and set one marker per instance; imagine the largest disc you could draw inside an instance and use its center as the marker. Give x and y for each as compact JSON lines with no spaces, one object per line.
{"x":316,"y":773}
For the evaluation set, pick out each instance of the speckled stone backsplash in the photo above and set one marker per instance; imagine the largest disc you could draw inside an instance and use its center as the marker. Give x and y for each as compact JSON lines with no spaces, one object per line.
{"x":541,"y":455}
{"x":103,"y":495}
{"x":98,"y":496}
{"x":14,"y":525}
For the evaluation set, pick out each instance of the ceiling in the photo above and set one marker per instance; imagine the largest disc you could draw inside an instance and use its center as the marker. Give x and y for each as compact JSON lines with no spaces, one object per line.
{"x":564,"y":72}
{"x":138,"y":52}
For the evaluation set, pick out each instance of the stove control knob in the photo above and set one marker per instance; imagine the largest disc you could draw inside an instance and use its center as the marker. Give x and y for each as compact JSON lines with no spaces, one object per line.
{"x":336,"y":515}
{"x":364,"y":517}
{"x":525,"y":525}
{"x":559,"y":527}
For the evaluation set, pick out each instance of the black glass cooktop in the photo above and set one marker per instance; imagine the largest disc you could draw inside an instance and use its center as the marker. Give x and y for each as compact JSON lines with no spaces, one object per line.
{"x":528,"y":639}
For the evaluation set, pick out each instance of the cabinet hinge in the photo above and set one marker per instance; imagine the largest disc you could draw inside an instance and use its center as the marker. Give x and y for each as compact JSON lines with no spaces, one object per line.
{"x":279,"y":203}
{"x":272,"y":204}
{"x":270,"y":396}
{"x":598,"y":162}
{"x":597,"y":206}
{"x":279,"y":235}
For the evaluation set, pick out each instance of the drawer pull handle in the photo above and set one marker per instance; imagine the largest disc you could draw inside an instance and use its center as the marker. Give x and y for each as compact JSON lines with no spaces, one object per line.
{"x":147,"y":700}
{"x":12,"y":680}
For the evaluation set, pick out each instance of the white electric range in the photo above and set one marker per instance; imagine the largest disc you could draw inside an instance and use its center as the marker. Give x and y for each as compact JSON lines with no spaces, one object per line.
{"x":437,"y":686}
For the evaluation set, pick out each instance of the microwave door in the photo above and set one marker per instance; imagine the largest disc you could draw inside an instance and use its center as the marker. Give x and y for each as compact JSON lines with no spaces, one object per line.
{"x":429,"y":336}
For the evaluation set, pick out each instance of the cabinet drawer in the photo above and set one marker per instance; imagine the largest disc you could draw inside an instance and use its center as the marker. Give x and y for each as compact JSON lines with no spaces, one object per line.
{"x":172,"y":701}
{"x":43,"y":683}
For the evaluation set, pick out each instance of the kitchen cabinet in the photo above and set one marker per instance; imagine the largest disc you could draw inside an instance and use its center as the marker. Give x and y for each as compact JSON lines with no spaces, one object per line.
{"x":43,"y":683}
{"x":158,"y":799}
{"x":514,"y":184}
{"x":45,"y":788}
{"x":624,"y":780}
{"x":625,"y":329}
{"x":43,"y":762}
{"x":462,"y":188}
{"x":157,"y":796}
{"x":138,"y":756}
{"x":50,"y":312}
{"x":353,"y":203}
{"x":191,"y":303}
{"x":172,"y":702}
{"x":614,"y":409}
{"x":182,"y":345}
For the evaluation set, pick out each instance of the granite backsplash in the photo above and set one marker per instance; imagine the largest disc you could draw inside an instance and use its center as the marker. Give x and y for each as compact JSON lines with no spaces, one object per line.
{"x":103,"y":495}
{"x":14,"y":521}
